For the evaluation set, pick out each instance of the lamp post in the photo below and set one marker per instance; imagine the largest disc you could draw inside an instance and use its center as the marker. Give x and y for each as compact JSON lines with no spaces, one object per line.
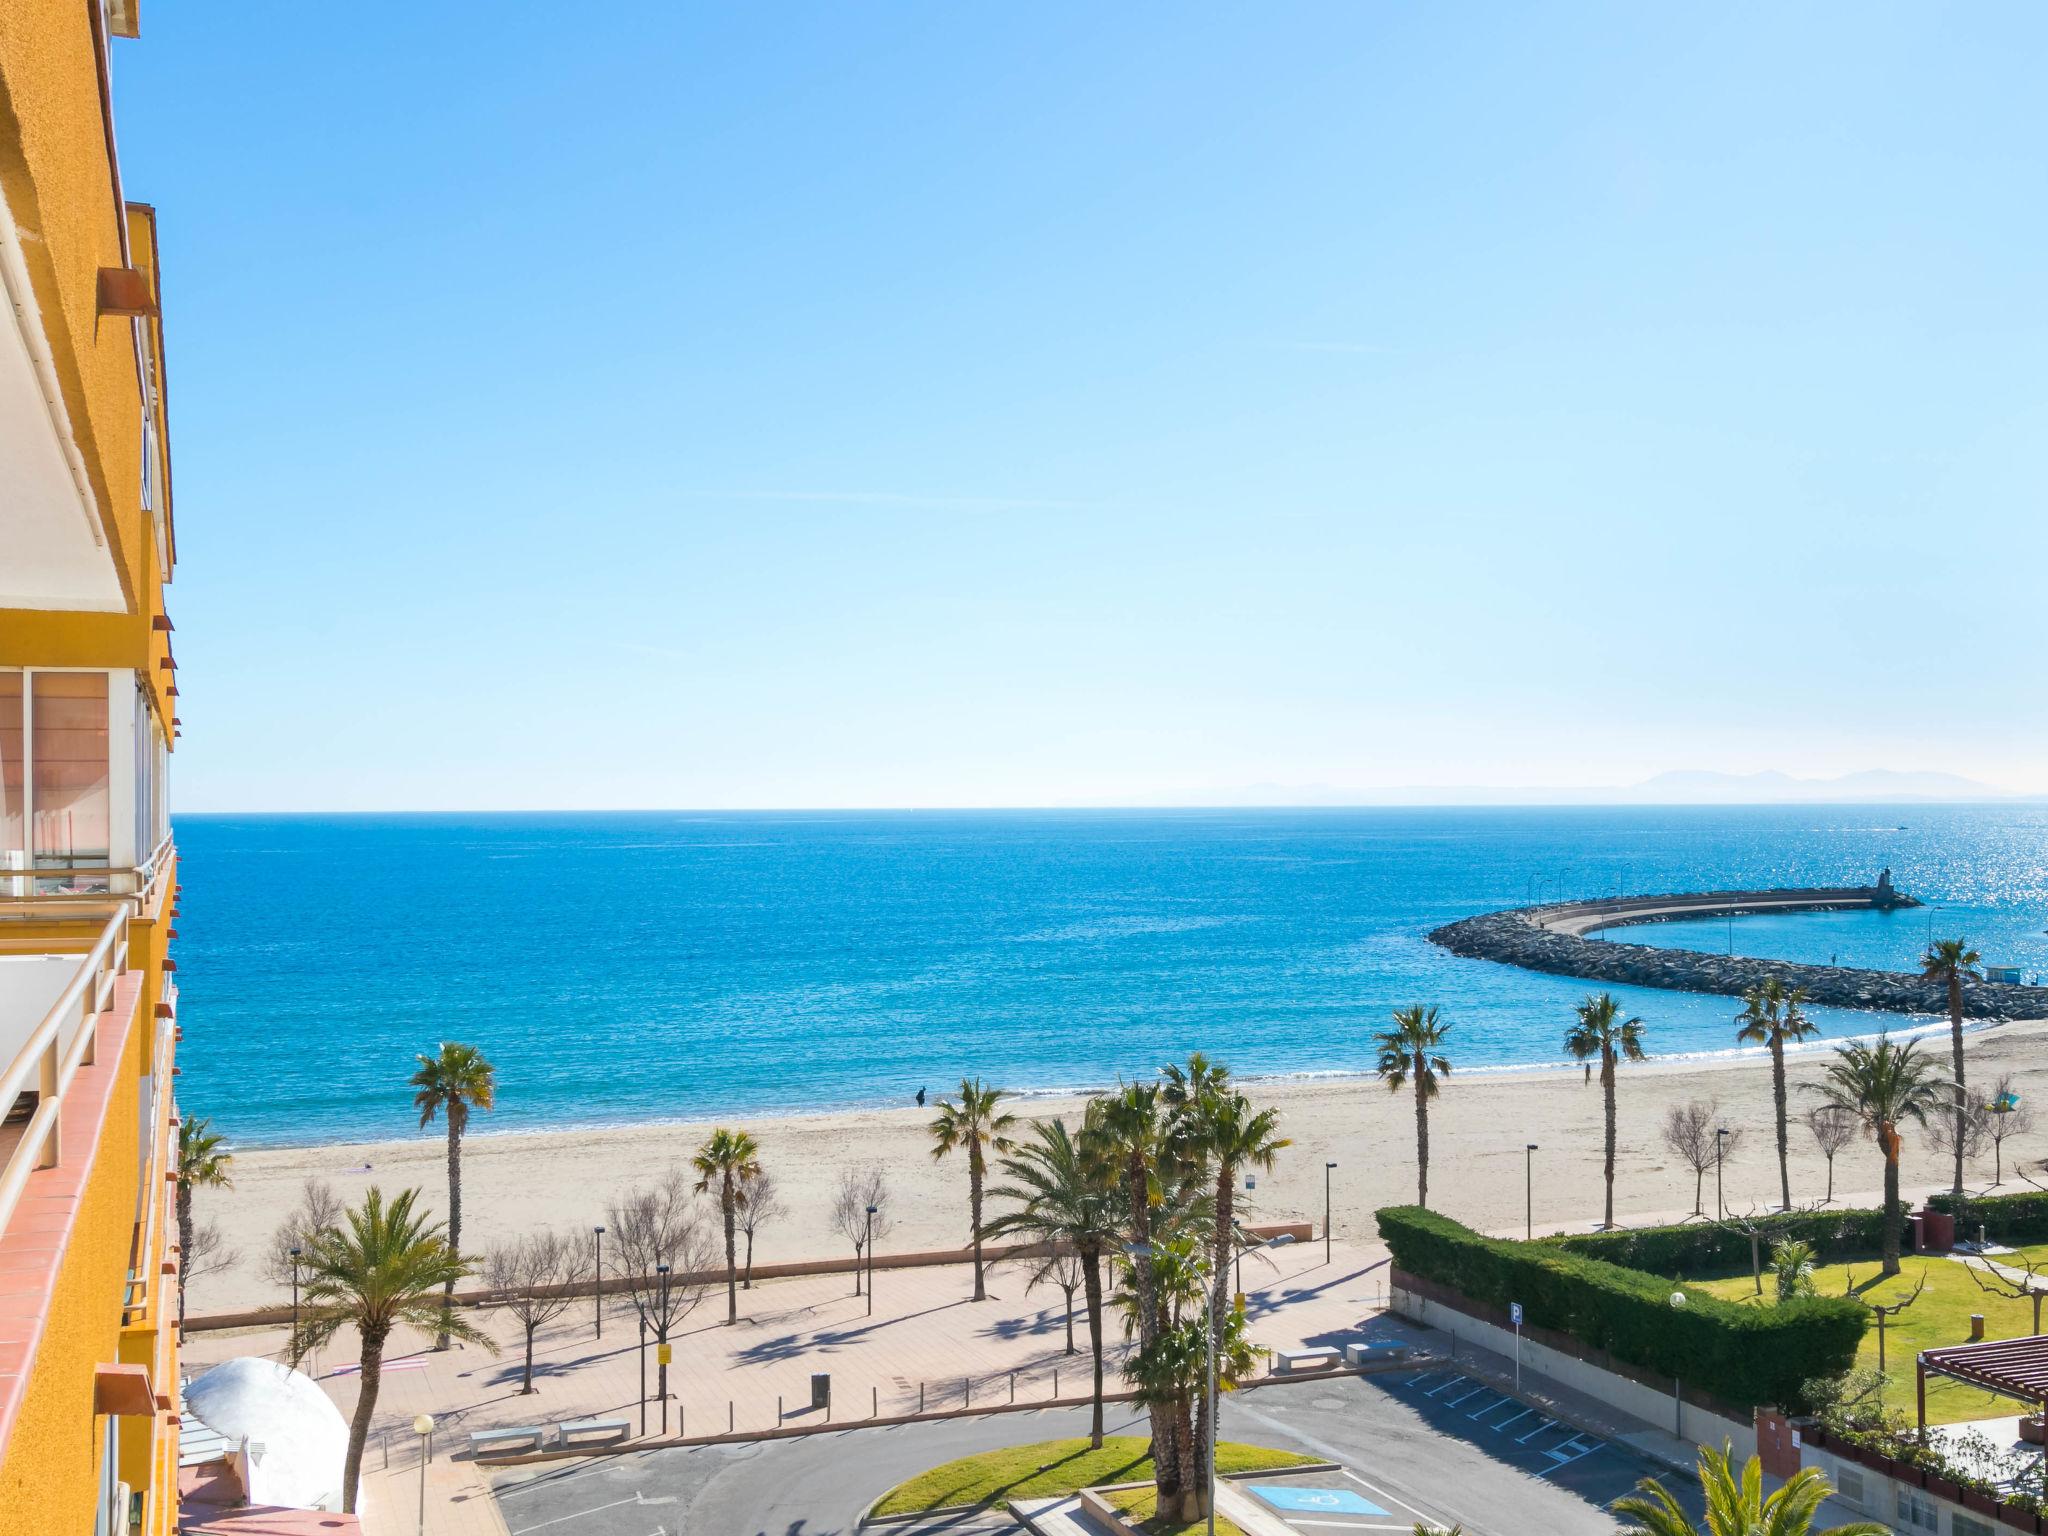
{"x":1529,"y":1191}
{"x":296,"y":1250}
{"x":597,"y":1288}
{"x":871,"y":1261}
{"x":661,"y":1345}
{"x":1237,"y":1246}
{"x":1328,"y":1169}
{"x":1720,"y":1147}
{"x":643,"y":1368}
{"x":423,"y":1426}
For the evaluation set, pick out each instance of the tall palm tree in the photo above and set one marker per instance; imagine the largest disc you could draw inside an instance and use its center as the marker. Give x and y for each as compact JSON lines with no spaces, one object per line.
{"x":1132,"y":1136}
{"x":1412,"y":1052}
{"x":724,"y":1164}
{"x":376,"y":1271}
{"x":1220,"y":1130}
{"x":1949,"y":961}
{"x":1884,"y":1086}
{"x":975,"y":1125}
{"x":1737,"y":1507}
{"x":1063,"y":1190}
{"x":1601,"y":1031}
{"x":451,"y":1083}
{"x":203,"y":1159}
{"x":1771,"y":1015}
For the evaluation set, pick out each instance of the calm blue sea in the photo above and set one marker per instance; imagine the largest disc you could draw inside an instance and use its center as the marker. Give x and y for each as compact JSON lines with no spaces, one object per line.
{"x":662,"y":965}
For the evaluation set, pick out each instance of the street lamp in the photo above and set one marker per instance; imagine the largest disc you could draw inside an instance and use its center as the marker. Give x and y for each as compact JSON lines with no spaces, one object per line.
{"x":1529,"y":1190}
{"x":597,"y":1289}
{"x":1720,"y":1147}
{"x":871,"y":1261}
{"x":423,"y":1426}
{"x":1327,"y":1169}
{"x":661,"y":1344}
{"x":296,"y":1251}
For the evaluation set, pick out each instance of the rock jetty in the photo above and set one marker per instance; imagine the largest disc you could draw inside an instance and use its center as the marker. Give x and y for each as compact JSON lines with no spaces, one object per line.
{"x":1553,"y":938}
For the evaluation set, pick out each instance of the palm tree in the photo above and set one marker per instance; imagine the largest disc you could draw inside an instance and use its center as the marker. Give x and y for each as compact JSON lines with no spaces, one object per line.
{"x":203,"y":1159}
{"x":1771,"y":1015}
{"x":1413,"y":1051}
{"x":1064,"y":1192}
{"x":974,"y":1125}
{"x":452,"y":1083}
{"x":1601,"y":1031}
{"x":375,"y":1272}
{"x":726,"y":1161}
{"x":1128,"y":1129}
{"x":1949,"y":961}
{"x":1737,"y":1508}
{"x":1884,"y":1086}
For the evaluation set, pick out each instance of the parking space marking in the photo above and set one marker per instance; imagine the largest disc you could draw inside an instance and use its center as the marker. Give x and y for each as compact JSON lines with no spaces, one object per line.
{"x":563,"y":1519}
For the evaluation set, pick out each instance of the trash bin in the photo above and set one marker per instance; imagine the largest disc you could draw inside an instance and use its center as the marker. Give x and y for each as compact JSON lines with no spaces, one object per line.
{"x":821,"y":1389}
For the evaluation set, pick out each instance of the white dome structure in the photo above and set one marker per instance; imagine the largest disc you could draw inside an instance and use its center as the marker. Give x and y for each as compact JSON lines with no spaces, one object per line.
{"x":297,"y":1437}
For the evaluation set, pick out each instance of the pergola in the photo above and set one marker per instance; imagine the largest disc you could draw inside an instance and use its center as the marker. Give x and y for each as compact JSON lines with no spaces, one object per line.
{"x":2013,"y":1367}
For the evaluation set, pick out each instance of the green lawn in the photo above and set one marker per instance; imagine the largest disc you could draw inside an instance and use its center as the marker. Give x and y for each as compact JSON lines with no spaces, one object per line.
{"x":1941,"y":1316}
{"x":1054,"y":1467}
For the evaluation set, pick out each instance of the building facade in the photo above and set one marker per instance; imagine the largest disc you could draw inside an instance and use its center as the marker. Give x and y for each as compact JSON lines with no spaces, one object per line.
{"x":88,"y":871}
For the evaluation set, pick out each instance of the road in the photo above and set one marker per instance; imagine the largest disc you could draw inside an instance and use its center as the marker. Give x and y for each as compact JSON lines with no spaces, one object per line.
{"x":1416,"y":1443}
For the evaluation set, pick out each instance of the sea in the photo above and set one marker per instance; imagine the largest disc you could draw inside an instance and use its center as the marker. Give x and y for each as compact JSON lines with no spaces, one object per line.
{"x":669,"y":965}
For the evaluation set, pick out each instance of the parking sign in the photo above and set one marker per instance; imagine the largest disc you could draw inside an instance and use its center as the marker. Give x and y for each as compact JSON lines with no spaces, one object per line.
{"x":1515,"y":1311}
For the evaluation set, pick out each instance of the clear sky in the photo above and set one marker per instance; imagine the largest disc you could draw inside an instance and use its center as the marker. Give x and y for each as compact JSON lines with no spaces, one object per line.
{"x":887,"y":404}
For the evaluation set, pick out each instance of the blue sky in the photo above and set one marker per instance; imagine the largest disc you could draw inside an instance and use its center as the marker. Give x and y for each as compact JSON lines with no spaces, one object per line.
{"x":1052,"y":404}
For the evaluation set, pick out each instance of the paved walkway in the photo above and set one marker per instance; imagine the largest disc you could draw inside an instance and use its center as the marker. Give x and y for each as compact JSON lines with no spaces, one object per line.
{"x":925,"y":1342}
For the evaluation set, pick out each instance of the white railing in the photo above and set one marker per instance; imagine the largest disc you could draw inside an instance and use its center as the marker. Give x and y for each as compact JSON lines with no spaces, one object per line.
{"x":143,"y":1275}
{"x":52,"y":1055}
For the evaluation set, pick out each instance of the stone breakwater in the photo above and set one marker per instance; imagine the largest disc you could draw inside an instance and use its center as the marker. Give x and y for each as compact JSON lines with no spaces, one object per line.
{"x":1551,"y":938}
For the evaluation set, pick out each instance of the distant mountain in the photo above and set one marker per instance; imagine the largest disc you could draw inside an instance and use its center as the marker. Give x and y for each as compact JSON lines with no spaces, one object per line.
{"x":1688,"y":786}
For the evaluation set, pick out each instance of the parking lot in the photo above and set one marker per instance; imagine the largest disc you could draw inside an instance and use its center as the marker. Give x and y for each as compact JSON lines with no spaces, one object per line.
{"x":1417,"y":1445}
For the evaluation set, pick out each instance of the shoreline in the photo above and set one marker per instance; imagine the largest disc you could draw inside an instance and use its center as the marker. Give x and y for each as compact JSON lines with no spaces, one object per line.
{"x":1910,"y":1027}
{"x":519,"y":1180}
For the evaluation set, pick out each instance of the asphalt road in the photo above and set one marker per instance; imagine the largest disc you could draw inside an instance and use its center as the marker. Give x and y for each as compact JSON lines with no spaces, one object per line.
{"x":1421,"y":1445}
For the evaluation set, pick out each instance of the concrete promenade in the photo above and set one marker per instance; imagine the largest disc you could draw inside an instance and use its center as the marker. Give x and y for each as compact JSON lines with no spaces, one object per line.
{"x":924,"y":1331}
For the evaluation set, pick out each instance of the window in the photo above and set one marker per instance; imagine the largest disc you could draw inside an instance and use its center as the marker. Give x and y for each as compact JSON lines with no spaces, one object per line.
{"x":1849,"y":1484}
{"x":1917,"y":1511}
{"x":1960,"y":1524}
{"x":13,"y":774}
{"x":68,"y":782}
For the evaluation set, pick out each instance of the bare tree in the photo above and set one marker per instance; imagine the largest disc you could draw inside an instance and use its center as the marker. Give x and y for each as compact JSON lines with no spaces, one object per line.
{"x":1060,"y":1266}
{"x":1832,"y":1128}
{"x":664,"y":1248}
{"x":1691,"y":1131}
{"x":1901,"y":1301}
{"x":1963,"y":1135}
{"x":208,"y":1253}
{"x":2005,"y":1116}
{"x":2013,"y":1275}
{"x":531,"y":1277}
{"x":860,"y":1188}
{"x":319,"y":1210}
{"x":760,"y":1204}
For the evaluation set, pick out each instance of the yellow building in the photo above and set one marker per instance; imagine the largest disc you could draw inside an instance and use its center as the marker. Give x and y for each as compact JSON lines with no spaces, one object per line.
{"x":88,"y":873}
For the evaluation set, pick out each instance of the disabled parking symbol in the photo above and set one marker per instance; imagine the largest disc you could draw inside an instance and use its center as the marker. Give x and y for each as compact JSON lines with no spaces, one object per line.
{"x":1328,"y":1501}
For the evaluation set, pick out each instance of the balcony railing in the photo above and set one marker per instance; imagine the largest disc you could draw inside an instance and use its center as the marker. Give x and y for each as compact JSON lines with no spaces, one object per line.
{"x":48,"y":1059}
{"x":84,"y":881}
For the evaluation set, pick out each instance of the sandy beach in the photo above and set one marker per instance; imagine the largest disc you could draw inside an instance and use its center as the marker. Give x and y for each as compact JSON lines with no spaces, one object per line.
{"x":515,"y":1182}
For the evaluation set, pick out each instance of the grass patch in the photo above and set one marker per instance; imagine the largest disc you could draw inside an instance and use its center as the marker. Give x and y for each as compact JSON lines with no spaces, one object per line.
{"x":1051,"y":1468}
{"x":1141,"y":1507}
{"x":1941,"y":1316}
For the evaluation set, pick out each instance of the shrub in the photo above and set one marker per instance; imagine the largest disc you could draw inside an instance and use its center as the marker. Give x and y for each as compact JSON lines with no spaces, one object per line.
{"x":1703,"y":1250}
{"x":1745,"y":1355}
{"x":2021,"y":1218}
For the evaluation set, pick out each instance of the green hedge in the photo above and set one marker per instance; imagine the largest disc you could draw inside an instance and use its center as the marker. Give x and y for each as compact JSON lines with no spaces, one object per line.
{"x":1745,"y":1355}
{"x":2021,"y":1218}
{"x":1701,"y":1249}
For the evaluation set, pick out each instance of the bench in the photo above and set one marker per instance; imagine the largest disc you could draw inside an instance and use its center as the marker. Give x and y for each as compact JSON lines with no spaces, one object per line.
{"x":1375,"y":1351}
{"x":1287,"y":1361}
{"x":481,"y":1439}
{"x":610,"y":1429}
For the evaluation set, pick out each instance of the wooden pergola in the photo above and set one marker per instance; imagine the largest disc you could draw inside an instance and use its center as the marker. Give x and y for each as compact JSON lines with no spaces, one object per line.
{"x":2012,"y":1367}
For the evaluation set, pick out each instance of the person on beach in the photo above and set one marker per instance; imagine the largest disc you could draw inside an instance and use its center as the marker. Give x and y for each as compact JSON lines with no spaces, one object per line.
{"x":920,"y":1098}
